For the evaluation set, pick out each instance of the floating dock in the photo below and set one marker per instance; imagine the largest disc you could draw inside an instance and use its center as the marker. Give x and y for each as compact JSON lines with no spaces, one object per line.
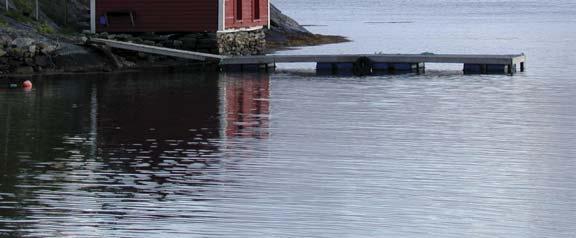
{"x":359,"y":64}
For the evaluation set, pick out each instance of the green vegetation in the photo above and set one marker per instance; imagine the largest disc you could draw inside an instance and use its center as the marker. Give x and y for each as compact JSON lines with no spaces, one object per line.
{"x":44,"y":28}
{"x":3,"y":22}
{"x":18,"y":16}
{"x":22,"y":11}
{"x":24,"y":6}
{"x":23,"y":14}
{"x":41,"y":27}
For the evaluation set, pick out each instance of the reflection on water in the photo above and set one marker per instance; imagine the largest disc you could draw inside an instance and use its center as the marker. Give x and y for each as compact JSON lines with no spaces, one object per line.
{"x":258,"y":155}
{"x":247,"y":105}
{"x":88,"y":157}
{"x":298,"y":155}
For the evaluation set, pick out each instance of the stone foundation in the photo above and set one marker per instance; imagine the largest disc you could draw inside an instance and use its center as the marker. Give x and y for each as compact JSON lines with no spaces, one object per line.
{"x":224,"y":43}
{"x":242,"y":42}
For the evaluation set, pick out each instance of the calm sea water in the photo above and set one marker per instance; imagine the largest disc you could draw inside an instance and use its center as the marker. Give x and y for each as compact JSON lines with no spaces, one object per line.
{"x":291,"y":154}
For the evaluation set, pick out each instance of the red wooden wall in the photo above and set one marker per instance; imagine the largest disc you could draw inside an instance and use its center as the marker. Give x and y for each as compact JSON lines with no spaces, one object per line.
{"x":179,"y":15}
{"x":160,"y":15}
{"x":248,"y":19}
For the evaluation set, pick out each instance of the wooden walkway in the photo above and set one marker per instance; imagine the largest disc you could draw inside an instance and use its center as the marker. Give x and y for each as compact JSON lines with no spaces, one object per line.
{"x":184,"y":54}
{"x":396,"y":58}
{"x":394,"y":62}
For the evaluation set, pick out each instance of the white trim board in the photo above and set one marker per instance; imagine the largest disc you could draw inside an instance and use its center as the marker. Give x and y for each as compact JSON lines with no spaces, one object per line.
{"x":241,"y":29}
{"x":269,"y":14}
{"x":221,"y":15}
{"x":93,"y":16}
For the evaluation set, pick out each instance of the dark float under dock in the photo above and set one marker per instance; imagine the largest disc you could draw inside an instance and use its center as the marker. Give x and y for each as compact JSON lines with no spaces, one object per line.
{"x":359,"y":64}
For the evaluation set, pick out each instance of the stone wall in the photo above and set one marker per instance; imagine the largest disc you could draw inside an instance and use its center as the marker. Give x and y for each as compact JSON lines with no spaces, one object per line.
{"x":225,"y":43}
{"x":24,"y":55}
{"x":242,"y":42}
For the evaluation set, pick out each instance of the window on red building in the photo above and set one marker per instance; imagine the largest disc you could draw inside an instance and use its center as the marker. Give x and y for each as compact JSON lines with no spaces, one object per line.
{"x":256,"y":9}
{"x":238,"y":9}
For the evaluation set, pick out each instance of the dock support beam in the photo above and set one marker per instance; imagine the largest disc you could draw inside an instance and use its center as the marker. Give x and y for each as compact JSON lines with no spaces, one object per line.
{"x":491,"y":68}
{"x":421,"y":68}
{"x":375,"y":68}
{"x":511,"y":68}
{"x":248,"y":67}
{"x":335,"y":68}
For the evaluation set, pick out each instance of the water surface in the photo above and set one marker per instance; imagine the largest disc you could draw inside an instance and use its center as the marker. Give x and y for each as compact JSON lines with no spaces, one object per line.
{"x":299,"y":155}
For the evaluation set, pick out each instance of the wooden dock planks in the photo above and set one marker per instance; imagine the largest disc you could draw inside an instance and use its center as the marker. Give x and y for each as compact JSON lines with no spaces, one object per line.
{"x":396,"y":58}
{"x":508,"y":60}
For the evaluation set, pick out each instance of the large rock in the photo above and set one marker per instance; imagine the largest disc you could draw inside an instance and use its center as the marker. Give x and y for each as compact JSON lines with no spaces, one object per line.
{"x":286,"y":32}
{"x":32,"y":49}
{"x":284,"y":23}
{"x":16,"y":53}
{"x":29,"y":61}
{"x":189,"y":43}
{"x":46,"y":48}
{"x":25,"y":70}
{"x":5,"y":40}
{"x":4,"y":68}
{"x":23,"y":42}
{"x":73,"y":58}
{"x":42,"y":61}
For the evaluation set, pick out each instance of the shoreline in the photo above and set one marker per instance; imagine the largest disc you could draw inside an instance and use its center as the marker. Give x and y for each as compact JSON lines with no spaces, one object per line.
{"x":92,"y":60}
{"x":28,"y":50}
{"x":298,"y":41}
{"x":36,"y":54}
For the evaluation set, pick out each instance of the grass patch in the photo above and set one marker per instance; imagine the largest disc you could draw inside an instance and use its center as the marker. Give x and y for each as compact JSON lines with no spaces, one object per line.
{"x":18,"y":16}
{"x":24,"y":5}
{"x":44,"y":28}
{"x":22,"y":11}
{"x":3,"y":22}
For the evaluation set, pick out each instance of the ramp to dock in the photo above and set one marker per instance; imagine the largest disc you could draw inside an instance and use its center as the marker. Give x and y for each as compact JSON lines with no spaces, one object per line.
{"x":387,"y":62}
{"x":184,"y":54}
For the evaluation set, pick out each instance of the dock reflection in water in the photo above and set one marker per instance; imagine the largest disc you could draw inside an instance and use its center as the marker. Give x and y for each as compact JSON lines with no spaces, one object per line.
{"x":131,"y":155}
{"x":240,"y":155}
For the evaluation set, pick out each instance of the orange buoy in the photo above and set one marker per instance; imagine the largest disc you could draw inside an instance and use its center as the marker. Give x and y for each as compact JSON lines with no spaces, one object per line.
{"x":27,"y":84}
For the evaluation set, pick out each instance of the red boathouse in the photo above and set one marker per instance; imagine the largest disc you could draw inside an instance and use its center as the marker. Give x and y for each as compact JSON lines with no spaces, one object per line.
{"x":178,"y":15}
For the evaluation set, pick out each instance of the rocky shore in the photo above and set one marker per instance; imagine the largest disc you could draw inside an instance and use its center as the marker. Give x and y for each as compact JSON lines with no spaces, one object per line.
{"x":28,"y":52}
{"x":24,"y":55}
{"x":27,"y":49}
{"x":286,"y":33}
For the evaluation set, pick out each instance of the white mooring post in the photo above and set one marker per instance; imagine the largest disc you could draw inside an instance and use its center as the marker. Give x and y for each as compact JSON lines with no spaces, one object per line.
{"x":37,"y":14}
{"x":93,"y":16}
{"x":6,"y":1}
{"x":66,"y":12}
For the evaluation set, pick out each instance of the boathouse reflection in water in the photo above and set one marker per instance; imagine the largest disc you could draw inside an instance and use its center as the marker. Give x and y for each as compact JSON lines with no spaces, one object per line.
{"x":246,"y":105}
{"x":100,"y":149}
